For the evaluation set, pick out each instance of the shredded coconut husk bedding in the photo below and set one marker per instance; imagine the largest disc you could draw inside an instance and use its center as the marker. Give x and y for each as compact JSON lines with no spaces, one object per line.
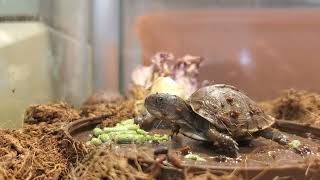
{"x":40,"y":150}
{"x":105,"y":162}
{"x":118,"y":108}
{"x":300,"y":106}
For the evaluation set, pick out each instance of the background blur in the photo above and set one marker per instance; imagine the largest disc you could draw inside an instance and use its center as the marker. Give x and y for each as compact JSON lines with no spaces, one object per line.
{"x":68,"y":49}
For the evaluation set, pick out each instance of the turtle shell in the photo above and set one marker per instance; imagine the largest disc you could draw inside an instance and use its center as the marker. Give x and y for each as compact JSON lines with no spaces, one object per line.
{"x":229,"y":109}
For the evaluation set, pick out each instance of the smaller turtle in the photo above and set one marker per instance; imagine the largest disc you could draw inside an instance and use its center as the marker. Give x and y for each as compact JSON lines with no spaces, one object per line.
{"x":219,"y":113}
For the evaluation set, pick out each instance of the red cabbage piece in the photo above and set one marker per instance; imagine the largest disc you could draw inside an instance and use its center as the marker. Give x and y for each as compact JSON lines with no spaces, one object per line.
{"x":185,"y":71}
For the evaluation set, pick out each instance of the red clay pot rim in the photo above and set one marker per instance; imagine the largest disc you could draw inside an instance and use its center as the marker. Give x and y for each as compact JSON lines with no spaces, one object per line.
{"x":71,"y":127}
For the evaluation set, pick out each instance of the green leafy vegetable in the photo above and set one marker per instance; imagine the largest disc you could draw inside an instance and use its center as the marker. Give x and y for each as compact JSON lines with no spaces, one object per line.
{"x":126,"y":122}
{"x":97,"y":131}
{"x":95,"y":141}
{"x":125,"y":132}
{"x":104,"y":138}
{"x":294,"y":144}
{"x":194,"y":157}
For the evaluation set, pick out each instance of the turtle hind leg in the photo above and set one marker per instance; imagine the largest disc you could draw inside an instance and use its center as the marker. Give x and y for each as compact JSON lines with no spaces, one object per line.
{"x":274,"y":135}
{"x":223,"y":140}
{"x":245,"y":141}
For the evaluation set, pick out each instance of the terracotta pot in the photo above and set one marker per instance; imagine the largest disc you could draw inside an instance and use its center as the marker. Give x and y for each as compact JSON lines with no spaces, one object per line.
{"x":80,"y":130}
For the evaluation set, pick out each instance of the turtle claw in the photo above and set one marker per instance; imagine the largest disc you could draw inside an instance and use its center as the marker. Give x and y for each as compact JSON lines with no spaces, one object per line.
{"x":283,"y":141}
{"x":230,"y":150}
{"x":172,"y":134}
{"x":138,"y":120}
{"x":232,"y":147}
{"x":234,"y":154}
{"x":225,"y":141}
{"x":175,"y":130}
{"x":145,"y":122}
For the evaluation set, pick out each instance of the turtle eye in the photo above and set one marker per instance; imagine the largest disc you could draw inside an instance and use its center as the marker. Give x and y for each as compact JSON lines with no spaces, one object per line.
{"x":159,"y":100}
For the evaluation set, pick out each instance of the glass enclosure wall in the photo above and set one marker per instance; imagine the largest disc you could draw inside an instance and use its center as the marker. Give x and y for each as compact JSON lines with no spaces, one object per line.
{"x":19,"y":7}
{"x":45,"y":55}
{"x":70,"y":48}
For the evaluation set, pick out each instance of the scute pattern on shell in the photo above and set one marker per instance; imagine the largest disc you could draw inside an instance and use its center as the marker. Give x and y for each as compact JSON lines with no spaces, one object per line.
{"x":229,"y":109}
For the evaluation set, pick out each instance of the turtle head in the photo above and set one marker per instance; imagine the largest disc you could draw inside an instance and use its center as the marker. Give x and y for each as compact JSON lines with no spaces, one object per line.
{"x":164,"y":106}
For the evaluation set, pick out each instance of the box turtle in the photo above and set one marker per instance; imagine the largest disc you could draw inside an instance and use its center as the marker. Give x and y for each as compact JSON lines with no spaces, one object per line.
{"x":219,"y":113}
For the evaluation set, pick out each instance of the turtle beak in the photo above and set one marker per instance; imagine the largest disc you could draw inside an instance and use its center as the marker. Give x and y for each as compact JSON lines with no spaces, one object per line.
{"x":149,"y":101}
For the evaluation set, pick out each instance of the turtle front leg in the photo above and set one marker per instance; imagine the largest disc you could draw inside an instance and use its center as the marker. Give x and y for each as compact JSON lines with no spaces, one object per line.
{"x":175,"y":128}
{"x":224,"y":141}
{"x":274,"y":135}
{"x":146,"y":121}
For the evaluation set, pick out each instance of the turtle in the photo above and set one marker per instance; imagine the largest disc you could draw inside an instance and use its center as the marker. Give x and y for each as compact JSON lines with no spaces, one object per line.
{"x":220,"y":114}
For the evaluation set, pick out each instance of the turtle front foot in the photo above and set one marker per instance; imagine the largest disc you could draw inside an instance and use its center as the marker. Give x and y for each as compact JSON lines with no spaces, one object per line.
{"x":226,"y":142}
{"x":146,"y":122}
{"x":175,"y":130}
{"x":138,"y":120}
{"x":231,"y":146}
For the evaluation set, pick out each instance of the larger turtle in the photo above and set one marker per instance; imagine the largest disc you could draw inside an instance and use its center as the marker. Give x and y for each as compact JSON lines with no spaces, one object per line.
{"x":218,"y":113}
